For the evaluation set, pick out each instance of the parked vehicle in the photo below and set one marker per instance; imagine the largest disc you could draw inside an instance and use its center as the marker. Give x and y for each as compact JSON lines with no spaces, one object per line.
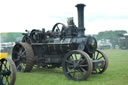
{"x":123,"y":41}
{"x":104,"y":44}
{"x":7,"y":70}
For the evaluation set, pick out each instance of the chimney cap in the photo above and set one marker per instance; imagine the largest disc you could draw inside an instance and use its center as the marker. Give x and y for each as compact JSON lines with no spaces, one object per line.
{"x":80,"y":4}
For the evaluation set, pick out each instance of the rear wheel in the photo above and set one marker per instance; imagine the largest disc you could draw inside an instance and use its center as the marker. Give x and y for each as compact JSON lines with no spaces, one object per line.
{"x":77,"y":65}
{"x":7,"y":72}
{"x":99,"y":55}
{"x":23,"y":57}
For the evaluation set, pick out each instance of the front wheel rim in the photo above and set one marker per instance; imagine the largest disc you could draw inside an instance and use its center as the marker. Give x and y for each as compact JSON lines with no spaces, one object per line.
{"x":77,"y":65}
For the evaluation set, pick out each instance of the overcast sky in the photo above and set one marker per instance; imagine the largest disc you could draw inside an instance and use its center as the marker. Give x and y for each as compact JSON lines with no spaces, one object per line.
{"x":100,"y":15}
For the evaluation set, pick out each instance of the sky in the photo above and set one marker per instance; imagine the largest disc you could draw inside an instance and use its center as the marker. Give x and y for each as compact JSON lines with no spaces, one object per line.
{"x":99,"y":15}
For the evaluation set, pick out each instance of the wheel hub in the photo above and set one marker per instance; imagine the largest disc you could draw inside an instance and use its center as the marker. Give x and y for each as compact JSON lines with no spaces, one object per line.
{"x":6,"y":72}
{"x":76,"y":65}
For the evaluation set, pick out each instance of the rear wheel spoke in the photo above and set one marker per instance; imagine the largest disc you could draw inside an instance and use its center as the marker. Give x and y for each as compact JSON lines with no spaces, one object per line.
{"x":97,"y":55}
{"x":100,"y":58}
{"x":82,"y":61}
{"x":83,"y":65}
{"x":23,"y":53}
{"x":83,"y":70}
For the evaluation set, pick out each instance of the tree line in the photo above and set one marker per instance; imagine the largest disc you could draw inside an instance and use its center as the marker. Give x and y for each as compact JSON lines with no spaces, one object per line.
{"x":17,"y":36}
{"x":111,"y":35}
{"x":10,"y":37}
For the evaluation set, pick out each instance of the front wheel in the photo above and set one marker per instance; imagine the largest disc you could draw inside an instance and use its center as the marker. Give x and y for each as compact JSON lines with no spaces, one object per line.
{"x":77,"y":65}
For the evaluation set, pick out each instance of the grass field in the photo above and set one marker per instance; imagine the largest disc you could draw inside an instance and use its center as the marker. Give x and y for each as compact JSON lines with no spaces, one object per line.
{"x":116,"y":74}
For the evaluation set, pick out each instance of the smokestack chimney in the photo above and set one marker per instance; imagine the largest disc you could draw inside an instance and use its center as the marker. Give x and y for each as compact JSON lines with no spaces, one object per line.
{"x":81,"y":29}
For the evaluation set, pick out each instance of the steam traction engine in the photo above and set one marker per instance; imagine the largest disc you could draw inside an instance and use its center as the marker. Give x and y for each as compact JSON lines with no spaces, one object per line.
{"x":63,"y":46}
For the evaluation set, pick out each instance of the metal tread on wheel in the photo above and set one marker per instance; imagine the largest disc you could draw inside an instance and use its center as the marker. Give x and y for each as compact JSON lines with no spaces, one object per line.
{"x":23,"y":57}
{"x":77,"y":65}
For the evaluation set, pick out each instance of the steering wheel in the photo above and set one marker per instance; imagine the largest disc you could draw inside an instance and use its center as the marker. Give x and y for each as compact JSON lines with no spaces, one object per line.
{"x":57,"y":29}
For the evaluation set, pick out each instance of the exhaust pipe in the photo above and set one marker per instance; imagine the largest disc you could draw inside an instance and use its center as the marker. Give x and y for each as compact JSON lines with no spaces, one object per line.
{"x":81,"y":29}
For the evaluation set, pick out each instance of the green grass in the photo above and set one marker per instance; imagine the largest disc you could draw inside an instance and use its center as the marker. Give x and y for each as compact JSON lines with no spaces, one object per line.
{"x":116,"y":74}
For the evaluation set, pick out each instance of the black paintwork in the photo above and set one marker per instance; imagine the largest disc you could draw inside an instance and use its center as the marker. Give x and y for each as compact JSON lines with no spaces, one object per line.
{"x":51,"y":46}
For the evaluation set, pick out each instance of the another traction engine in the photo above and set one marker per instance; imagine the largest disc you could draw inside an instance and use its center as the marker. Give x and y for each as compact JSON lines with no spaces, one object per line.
{"x":7,"y":70}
